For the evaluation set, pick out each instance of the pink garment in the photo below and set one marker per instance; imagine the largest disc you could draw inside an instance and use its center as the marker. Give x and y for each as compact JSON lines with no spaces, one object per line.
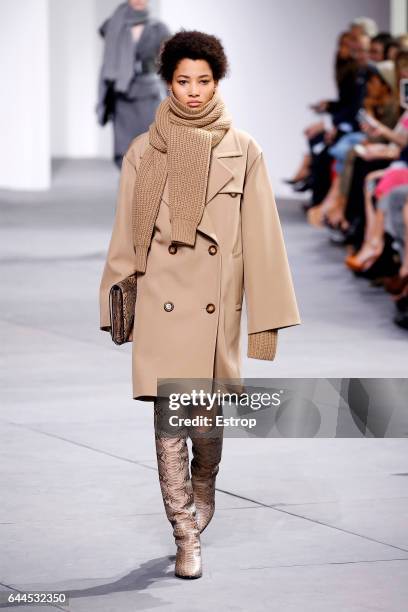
{"x":404,"y":121}
{"x":391,"y":179}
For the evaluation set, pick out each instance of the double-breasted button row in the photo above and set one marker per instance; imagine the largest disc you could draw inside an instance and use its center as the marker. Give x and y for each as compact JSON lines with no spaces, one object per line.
{"x":169,"y":306}
{"x":173,"y":249}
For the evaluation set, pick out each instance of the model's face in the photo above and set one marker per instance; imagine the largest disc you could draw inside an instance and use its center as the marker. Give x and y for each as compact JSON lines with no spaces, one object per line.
{"x":193,"y":82}
{"x":138,"y":5}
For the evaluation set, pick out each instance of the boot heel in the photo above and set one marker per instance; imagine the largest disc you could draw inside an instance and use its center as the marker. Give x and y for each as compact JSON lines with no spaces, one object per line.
{"x":188,"y":557}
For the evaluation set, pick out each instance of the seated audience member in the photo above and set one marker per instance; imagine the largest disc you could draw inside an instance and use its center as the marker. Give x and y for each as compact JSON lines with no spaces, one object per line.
{"x":364,"y":25}
{"x":372,"y":157}
{"x":344,"y":71}
{"x":336,"y":214}
{"x":357,"y":168}
{"x":380,"y":188}
{"x":380,"y":103}
{"x":379,"y":46}
{"x":344,"y":121}
{"x":403,"y":42}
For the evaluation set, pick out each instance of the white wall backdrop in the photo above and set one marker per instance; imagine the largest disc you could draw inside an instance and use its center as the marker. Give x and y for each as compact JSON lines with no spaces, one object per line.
{"x":281,"y":56}
{"x":24,"y":99}
{"x":76,"y":53}
{"x":399,"y":17}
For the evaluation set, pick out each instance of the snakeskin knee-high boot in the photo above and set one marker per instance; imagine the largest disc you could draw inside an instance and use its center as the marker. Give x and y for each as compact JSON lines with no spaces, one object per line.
{"x":204,"y":469}
{"x":178,"y":499}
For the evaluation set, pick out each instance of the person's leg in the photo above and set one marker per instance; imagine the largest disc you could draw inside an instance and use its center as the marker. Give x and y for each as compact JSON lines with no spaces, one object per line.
{"x":304,"y":169}
{"x":355,"y":212}
{"x":177,"y":493}
{"x":370,"y":211}
{"x":341,"y":148}
{"x":372,"y":246}
{"x":347,"y":174}
{"x":320,"y":168}
{"x":398,"y":212}
{"x":404,"y":266}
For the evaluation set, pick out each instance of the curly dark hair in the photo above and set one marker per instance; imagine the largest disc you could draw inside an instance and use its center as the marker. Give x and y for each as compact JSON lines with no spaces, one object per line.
{"x":192,"y":44}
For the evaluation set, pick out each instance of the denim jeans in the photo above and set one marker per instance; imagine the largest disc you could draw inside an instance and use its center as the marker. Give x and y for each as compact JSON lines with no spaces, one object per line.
{"x":340,"y":149}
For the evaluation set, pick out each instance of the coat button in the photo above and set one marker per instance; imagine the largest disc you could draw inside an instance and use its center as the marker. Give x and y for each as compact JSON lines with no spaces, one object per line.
{"x":210,"y":308}
{"x":233,"y":194}
{"x":168,"y":306}
{"x":172,"y":249}
{"x":212,"y":249}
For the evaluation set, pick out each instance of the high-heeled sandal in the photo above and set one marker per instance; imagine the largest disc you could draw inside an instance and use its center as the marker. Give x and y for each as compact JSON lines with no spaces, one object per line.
{"x":357,"y":265}
{"x":387,"y":264}
{"x":341,"y":225}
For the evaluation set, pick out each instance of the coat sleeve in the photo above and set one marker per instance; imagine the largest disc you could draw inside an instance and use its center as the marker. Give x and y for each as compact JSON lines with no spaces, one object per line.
{"x":268,"y":287}
{"x":120,"y":260}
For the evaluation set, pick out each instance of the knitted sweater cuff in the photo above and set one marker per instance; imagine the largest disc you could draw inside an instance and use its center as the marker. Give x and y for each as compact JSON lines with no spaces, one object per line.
{"x":141,"y":258}
{"x":262,"y":345}
{"x":183,"y":230}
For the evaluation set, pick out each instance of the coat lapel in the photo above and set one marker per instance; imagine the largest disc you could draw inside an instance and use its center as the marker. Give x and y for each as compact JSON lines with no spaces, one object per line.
{"x":220,"y":174}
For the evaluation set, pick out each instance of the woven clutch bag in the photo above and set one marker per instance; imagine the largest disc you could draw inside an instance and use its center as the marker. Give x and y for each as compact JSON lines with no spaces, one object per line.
{"x":122,"y":300}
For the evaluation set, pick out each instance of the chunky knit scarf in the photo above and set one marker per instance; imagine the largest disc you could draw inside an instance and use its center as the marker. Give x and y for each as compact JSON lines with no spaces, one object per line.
{"x":180,"y":143}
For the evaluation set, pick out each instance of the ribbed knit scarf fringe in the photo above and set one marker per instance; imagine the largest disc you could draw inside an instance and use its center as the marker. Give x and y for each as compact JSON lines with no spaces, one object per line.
{"x":180,"y":143}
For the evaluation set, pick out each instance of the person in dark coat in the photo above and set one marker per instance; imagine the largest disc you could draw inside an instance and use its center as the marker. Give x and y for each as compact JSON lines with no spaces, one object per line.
{"x":129,"y":88}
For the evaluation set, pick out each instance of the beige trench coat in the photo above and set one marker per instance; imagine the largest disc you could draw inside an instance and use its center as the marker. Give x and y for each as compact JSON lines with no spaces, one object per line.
{"x":189,"y":299}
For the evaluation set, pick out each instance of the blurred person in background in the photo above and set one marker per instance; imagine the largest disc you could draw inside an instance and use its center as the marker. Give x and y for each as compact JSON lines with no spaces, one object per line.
{"x":379,"y":46}
{"x":403,"y":42}
{"x":363,"y":25}
{"x":344,"y":121}
{"x":129,"y":88}
{"x":343,"y":71}
{"x":391,"y":49}
{"x":387,"y":145}
{"x":380,"y":103}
